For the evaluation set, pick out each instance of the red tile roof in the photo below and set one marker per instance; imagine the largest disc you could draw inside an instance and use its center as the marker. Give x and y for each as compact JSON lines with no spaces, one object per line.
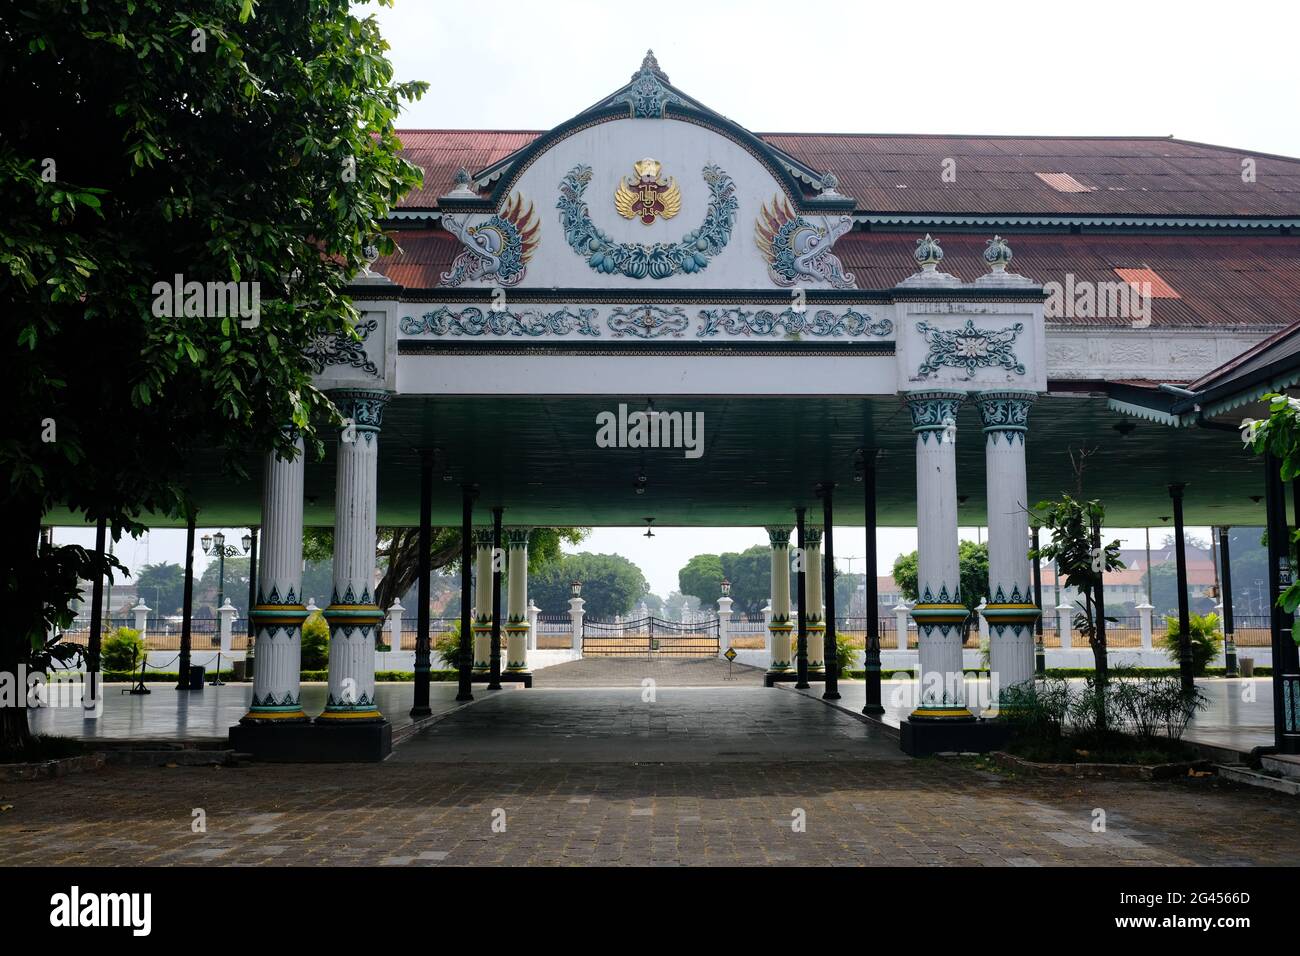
{"x":1223,"y":280}
{"x":1137,"y":176}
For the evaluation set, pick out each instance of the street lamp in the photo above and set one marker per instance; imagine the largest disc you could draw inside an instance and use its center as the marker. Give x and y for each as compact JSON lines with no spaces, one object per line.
{"x":576,"y":588}
{"x":216,"y":544}
{"x":726,"y":587}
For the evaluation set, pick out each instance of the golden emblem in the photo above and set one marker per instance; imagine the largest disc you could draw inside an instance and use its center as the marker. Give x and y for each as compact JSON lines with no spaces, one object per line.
{"x":646,"y":196}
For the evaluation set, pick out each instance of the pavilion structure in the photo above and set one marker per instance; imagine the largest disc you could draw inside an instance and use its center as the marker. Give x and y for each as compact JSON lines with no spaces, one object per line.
{"x":649,"y":310}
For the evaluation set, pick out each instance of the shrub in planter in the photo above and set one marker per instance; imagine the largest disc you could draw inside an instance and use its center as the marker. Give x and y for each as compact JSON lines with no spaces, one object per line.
{"x":315,"y":643}
{"x":1202,"y":632}
{"x":844,"y":653}
{"x":121,"y":651}
{"x":447,"y":646}
{"x":1036,"y":710}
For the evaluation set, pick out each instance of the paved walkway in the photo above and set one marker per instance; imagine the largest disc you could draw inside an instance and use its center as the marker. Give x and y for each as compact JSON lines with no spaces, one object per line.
{"x":738,"y":776}
{"x":672,"y":724}
{"x":634,"y":671}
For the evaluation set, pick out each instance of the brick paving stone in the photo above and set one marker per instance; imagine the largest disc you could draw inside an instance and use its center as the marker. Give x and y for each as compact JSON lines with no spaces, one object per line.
{"x":639,"y":799}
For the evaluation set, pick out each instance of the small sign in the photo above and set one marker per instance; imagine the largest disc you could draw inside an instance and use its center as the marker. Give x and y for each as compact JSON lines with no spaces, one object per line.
{"x":730,"y":654}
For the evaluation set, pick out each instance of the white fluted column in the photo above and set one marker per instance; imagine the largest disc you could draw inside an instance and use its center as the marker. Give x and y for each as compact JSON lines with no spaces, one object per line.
{"x":780,"y":626}
{"x":516,"y":541}
{"x":483,"y":577}
{"x":814,"y":602}
{"x":354,"y":617}
{"x":939,"y":612}
{"x":1010,"y":610}
{"x":279,"y":612}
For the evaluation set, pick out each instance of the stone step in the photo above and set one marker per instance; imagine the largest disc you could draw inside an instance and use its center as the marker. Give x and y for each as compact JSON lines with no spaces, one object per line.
{"x":1242,"y":774}
{"x":1288,"y":765}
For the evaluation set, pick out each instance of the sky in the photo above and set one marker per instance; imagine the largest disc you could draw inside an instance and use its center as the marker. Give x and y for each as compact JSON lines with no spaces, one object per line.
{"x":1210,"y":72}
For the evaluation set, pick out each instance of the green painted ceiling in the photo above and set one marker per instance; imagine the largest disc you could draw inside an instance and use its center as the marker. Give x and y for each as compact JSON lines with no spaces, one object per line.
{"x":538,"y":459}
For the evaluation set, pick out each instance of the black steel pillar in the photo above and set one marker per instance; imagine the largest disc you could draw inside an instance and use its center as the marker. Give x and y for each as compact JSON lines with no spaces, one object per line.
{"x":1040,"y":652}
{"x":1286,"y":667}
{"x":801,"y":645}
{"x":829,"y":648}
{"x":187,"y":606}
{"x":494,"y":674}
{"x":420,"y":705}
{"x":463,"y":691}
{"x":251,"y":648}
{"x":1225,"y":581}
{"x":1184,"y":614}
{"x":1099,"y":605}
{"x":96,"y":614}
{"x":871,"y":660}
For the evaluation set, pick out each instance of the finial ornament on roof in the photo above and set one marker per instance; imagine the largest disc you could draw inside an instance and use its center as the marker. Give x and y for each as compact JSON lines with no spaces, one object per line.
{"x":997,"y":254}
{"x":651,"y":65}
{"x":648,"y":93}
{"x":464,"y":184}
{"x":927,"y":254}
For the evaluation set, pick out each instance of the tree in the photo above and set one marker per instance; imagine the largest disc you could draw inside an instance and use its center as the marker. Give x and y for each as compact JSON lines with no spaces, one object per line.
{"x":611,"y":584}
{"x":236,"y":582}
{"x":398,"y":554}
{"x":142,"y":141}
{"x":163,"y":586}
{"x":702,"y":578}
{"x":972,"y":574}
{"x":750,"y":574}
{"x":1082,"y":561}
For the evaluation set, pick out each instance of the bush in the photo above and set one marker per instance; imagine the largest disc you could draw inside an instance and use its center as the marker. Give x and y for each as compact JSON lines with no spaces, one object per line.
{"x":315,"y":643}
{"x":844,"y":654}
{"x":1202,"y":632}
{"x":122,"y":651}
{"x":1036,"y":710}
{"x":447,"y":646}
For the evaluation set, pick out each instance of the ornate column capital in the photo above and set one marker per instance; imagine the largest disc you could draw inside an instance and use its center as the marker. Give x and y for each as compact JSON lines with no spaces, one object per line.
{"x":515,"y":537}
{"x":779,"y":536}
{"x":934,"y":411}
{"x":363,"y":406}
{"x":481,"y":537}
{"x":1005,"y":413}
{"x":813,"y":537}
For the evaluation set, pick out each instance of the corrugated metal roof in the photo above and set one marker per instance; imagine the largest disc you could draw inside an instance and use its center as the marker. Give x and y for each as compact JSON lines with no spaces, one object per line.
{"x":994,"y":175}
{"x":1224,"y":280}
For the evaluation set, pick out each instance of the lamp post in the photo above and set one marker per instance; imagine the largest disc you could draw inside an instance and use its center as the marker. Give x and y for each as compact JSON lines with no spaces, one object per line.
{"x":575,"y":587}
{"x":216,"y":544}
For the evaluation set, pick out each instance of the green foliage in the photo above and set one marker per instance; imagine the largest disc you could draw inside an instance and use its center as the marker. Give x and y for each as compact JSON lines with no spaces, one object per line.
{"x":236,"y":581}
{"x":1202,"y":633}
{"x":122,"y":650}
{"x":447,"y":646}
{"x":1133,"y":716}
{"x":702,"y":578}
{"x":132,"y":152}
{"x":163,"y":586}
{"x":972,"y":570}
{"x":750,"y":574}
{"x":1280,"y":434}
{"x":315,"y":642}
{"x":845,"y":653}
{"x":1081,"y":560}
{"x":611,"y":584}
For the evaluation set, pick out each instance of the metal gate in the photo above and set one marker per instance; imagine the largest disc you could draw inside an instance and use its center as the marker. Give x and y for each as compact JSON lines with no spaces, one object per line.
{"x":649,"y":637}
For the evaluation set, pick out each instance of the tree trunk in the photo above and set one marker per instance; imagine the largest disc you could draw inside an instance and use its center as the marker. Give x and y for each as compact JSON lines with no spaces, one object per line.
{"x":24,"y":596}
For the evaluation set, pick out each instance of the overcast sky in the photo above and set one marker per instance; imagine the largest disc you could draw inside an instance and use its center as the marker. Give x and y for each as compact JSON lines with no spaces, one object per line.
{"x":1220,"y":73}
{"x":1211,"y":72}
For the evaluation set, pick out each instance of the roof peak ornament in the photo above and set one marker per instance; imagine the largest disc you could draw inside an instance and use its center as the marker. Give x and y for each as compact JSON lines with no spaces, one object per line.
{"x":649,"y":92}
{"x":928,"y":254}
{"x":464,"y":185}
{"x":998,"y":255}
{"x":651,"y":65}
